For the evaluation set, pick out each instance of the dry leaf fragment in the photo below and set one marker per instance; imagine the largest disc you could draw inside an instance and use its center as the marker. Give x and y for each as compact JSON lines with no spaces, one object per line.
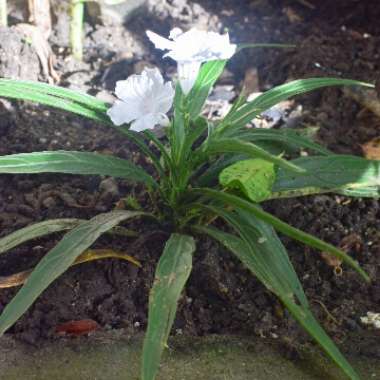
{"x":365,"y":97}
{"x":43,"y":50}
{"x":40,"y":16}
{"x":349,"y":242}
{"x":292,"y":15}
{"x":371,"y":149}
{"x":251,"y":83}
{"x":331,"y":260}
{"x":89,"y":255}
{"x":77,"y":328}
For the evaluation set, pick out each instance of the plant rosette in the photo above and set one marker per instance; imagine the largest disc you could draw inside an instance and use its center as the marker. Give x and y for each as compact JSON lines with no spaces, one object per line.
{"x":202,"y":170}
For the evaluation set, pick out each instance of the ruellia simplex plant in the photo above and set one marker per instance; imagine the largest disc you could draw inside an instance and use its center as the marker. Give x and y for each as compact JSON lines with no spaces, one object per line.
{"x":204,"y":172}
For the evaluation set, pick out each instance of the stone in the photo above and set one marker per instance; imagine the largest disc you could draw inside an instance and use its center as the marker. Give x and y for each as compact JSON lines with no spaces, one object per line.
{"x":18,"y":59}
{"x":119,"y":13}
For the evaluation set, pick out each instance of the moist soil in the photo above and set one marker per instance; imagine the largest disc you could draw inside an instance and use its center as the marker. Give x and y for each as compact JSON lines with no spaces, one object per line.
{"x":340,"y":38}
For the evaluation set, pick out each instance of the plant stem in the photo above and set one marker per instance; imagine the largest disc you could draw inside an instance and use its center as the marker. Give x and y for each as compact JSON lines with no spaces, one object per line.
{"x":76,"y":28}
{"x":3,"y":13}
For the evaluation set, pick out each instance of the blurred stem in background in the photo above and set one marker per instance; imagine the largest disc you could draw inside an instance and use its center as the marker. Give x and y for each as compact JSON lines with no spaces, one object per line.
{"x":76,"y":28}
{"x":3,"y":13}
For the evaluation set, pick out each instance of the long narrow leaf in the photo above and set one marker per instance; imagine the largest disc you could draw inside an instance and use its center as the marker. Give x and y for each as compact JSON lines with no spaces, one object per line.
{"x":136,"y":138}
{"x":263,"y":253}
{"x":250,"y":110}
{"x":361,"y":192}
{"x":283,"y":227}
{"x":209,"y":177}
{"x":58,"y":260}
{"x":71,"y":101}
{"x":178,"y":130}
{"x":163,"y":150}
{"x":84,"y":163}
{"x":330,"y":173}
{"x":60,"y":92}
{"x":35,"y":231}
{"x":287,"y":137}
{"x":249,"y":45}
{"x":222,"y":145}
{"x":311,"y":325}
{"x":208,"y":75}
{"x":56,"y":102}
{"x":172,"y":272}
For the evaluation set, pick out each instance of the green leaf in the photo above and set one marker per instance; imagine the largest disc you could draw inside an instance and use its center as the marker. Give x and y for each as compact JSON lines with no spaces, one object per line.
{"x":268,"y":99}
{"x":178,"y":130}
{"x":283,"y":227}
{"x":36,"y":230}
{"x":138,"y":140}
{"x":199,"y":126}
{"x":161,"y":147}
{"x":57,"y":260}
{"x":289,"y":139}
{"x":209,"y":177}
{"x":71,"y":101}
{"x":262,"y":252}
{"x":83,"y":163}
{"x":361,"y":192}
{"x":172,"y":272}
{"x":208,"y":75}
{"x":233,"y":145}
{"x":68,"y":100}
{"x":253,"y":177}
{"x":91,"y":110}
{"x":263,"y":45}
{"x":306,"y":319}
{"x":330,"y":173}
{"x":60,"y":92}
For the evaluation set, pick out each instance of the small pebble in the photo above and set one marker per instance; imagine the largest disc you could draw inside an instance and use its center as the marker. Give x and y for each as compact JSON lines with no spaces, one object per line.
{"x":372,"y":319}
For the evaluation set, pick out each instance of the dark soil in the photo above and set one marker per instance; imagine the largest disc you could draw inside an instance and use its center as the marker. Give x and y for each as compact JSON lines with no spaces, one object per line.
{"x":340,"y":38}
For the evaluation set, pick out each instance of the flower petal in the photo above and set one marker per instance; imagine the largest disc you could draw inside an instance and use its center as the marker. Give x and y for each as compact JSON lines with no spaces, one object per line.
{"x":146,"y":122}
{"x":154,"y":75}
{"x":175,"y":33}
{"x":123,"y":113}
{"x":164,"y":99}
{"x":133,"y":88}
{"x":220,"y":46}
{"x":145,"y":99}
{"x":194,"y":45}
{"x":187,"y":74}
{"x":159,"y":41}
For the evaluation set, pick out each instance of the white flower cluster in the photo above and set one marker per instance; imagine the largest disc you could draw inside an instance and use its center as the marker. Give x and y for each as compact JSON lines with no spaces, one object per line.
{"x":371,"y":319}
{"x":144,"y":100}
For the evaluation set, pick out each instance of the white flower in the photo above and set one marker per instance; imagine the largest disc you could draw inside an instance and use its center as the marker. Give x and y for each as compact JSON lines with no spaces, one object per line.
{"x":191,"y":49}
{"x":144,"y":100}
